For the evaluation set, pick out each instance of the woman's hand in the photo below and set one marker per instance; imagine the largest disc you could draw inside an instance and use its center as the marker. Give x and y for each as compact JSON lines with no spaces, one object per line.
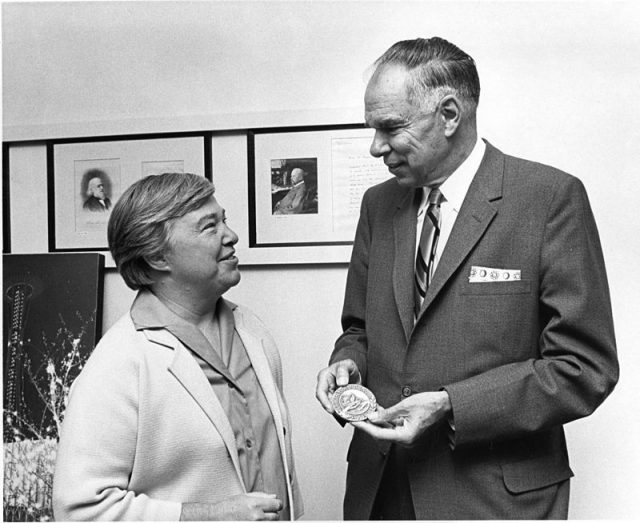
{"x":255,"y":506}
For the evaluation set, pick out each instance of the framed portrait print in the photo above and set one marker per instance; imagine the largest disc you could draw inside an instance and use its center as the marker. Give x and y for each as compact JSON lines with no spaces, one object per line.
{"x":306,"y":184}
{"x":86,"y":178}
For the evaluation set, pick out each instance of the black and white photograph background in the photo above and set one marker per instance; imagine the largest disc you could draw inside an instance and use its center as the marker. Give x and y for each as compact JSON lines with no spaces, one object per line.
{"x":559,"y":85}
{"x":294,"y":186}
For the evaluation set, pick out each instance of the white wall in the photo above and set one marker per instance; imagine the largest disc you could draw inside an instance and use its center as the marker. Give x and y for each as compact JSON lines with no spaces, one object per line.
{"x":560,"y":83}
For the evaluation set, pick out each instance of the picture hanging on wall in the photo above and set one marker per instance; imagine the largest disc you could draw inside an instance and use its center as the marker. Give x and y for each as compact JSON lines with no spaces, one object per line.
{"x":52,"y":319}
{"x":86,"y":178}
{"x":306,"y":184}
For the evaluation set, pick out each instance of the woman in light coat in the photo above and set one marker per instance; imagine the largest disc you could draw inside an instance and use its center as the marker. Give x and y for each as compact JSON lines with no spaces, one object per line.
{"x":179,"y":412}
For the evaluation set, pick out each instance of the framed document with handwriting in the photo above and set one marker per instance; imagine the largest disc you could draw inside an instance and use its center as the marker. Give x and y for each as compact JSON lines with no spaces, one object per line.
{"x":306,"y":184}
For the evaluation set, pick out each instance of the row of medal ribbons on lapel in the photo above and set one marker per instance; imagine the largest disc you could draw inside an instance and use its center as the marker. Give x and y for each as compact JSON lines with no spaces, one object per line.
{"x":489,"y":274}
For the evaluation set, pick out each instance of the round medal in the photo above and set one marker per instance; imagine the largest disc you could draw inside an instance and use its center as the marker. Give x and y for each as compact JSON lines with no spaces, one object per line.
{"x":353,"y":402}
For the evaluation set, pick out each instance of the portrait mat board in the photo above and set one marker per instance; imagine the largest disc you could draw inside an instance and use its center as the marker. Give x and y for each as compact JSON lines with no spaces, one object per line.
{"x":89,"y":220}
{"x":344,"y":170}
{"x":79,"y":226}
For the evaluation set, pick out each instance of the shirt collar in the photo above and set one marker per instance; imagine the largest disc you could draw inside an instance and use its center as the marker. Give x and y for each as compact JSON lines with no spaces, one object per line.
{"x":148,"y":312}
{"x":455,"y":188}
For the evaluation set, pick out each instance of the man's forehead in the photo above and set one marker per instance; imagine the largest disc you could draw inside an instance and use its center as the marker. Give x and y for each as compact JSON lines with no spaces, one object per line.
{"x":391,"y":77}
{"x":375,"y":118}
{"x":387,"y":111}
{"x":387,"y":91}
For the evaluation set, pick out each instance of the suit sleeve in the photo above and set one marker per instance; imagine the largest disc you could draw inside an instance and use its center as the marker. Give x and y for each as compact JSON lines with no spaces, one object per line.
{"x":352,"y":344}
{"x":576,"y":367}
{"x":98,"y":444}
{"x":292,"y":201}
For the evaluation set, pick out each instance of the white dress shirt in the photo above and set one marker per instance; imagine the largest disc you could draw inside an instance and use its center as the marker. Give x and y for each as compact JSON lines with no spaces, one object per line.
{"x":454,"y":189}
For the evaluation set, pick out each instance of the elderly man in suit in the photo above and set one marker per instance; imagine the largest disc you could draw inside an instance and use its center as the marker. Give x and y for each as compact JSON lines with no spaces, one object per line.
{"x":293,"y":201}
{"x":477,"y":310}
{"x":97,"y":200}
{"x":179,"y":412}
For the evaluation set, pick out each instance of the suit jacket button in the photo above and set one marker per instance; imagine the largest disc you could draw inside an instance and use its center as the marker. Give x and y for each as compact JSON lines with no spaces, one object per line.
{"x":406,"y":391}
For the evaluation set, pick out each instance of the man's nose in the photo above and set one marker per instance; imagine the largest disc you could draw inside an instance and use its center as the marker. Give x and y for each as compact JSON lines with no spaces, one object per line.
{"x":379,"y":145}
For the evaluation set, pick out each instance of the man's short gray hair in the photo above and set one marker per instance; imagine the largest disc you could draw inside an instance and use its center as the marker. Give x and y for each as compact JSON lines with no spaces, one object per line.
{"x":437,"y":68}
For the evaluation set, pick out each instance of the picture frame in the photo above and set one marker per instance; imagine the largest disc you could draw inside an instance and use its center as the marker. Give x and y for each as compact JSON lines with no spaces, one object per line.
{"x":6,"y":200}
{"x":53,"y":319}
{"x":305,"y":188}
{"x":86,"y":177}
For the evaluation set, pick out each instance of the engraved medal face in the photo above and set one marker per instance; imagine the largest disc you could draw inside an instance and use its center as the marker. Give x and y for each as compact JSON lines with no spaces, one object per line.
{"x":353,"y":402}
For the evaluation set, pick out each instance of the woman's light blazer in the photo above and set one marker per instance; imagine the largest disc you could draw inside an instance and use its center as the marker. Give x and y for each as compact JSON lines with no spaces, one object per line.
{"x":144,"y":431}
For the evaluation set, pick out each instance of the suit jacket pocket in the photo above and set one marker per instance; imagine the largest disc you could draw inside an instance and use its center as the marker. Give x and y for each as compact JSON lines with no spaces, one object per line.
{"x":532,"y":474}
{"x":497,"y":287}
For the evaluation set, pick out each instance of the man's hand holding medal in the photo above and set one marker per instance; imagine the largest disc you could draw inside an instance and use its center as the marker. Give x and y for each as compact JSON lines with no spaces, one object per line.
{"x":340,"y":392}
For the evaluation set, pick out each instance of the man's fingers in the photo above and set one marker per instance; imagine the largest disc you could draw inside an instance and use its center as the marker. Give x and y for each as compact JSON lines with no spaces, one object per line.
{"x":334,"y":376}
{"x":395,"y":433}
{"x":345,"y":370}
{"x":342,"y":375}
{"x":378,"y":416}
{"x":384,"y":417}
{"x":324,"y":387}
{"x":376,"y":431}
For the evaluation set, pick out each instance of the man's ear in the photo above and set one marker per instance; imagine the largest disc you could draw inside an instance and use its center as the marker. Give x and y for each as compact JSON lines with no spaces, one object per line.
{"x":450,"y":110}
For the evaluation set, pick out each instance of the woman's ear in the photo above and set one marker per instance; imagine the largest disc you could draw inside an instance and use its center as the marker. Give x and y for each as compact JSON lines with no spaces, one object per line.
{"x":158,"y":263}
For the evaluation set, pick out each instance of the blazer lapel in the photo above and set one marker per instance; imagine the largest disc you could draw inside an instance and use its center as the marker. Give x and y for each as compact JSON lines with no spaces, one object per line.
{"x":185,"y":369}
{"x":261,"y":367}
{"x":260,"y":364}
{"x":476,"y":213}
{"x":404,"y":237}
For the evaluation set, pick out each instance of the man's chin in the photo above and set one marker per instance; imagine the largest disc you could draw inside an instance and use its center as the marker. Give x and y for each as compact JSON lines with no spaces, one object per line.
{"x":406,"y":182}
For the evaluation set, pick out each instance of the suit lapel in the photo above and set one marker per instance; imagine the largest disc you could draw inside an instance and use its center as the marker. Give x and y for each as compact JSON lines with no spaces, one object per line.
{"x":185,"y":369}
{"x":478,"y":210}
{"x":404,"y":237}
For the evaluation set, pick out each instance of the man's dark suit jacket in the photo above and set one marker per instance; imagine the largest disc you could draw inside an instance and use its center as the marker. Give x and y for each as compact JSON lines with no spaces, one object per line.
{"x":93,"y":204}
{"x":518,"y":359}
{"x":293,"y":201}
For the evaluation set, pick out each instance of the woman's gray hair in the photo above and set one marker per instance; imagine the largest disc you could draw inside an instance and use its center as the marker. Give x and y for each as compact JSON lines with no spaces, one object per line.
{"x":141,"y":220}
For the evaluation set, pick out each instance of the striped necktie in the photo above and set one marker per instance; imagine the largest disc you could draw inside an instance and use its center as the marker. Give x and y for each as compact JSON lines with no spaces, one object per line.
{"x":427,"y":247}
